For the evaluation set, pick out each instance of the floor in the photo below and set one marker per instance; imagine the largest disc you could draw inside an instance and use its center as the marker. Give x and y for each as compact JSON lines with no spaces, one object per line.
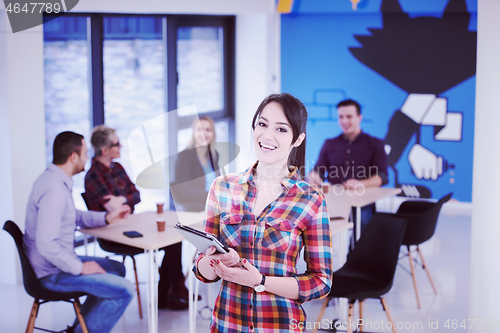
{"x":447,"y":254}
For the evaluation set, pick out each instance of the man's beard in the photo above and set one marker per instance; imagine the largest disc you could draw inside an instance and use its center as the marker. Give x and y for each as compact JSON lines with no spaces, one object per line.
{"x":78,"y":169}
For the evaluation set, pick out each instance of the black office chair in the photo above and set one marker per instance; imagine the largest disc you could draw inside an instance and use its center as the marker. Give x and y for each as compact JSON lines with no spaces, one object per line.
{"x":124,"y":251}
{"x":370,"y":267}
{"x":35,"y":289}
{"x":422,"y":219}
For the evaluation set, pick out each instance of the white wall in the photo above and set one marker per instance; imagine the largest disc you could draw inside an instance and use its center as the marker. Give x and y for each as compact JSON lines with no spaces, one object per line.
{"x":22,"y":146}
{"x":485,"y":227}
{"x":257,"y":74}
{"x":230,"y":7}
{"x":22,"y":125}
{"x":7,"y":261}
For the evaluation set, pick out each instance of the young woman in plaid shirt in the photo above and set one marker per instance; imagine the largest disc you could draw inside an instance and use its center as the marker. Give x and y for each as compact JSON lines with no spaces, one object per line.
{"x":266,"y":215}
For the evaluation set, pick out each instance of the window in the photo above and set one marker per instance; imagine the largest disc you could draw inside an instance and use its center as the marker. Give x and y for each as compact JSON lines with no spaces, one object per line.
{"x":200,"y":68}
{"x":204,"y":75}
{"x":66,"y":76}
{"x":125,"y":70}
{"x":133,"y":67}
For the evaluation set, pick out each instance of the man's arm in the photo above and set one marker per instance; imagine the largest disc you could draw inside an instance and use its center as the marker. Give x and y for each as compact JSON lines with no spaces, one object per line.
{"x":99,"y":219}
{"x":92,"y":219}
{"x":378,"y":164}
{"x":49,"y":230}
{"x":373,"y":181}
{"x":315,"y":177}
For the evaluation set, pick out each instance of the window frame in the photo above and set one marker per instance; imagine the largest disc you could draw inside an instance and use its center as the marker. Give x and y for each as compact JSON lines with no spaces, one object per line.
{"x":95,"y":33}
{"x":227,"y":113}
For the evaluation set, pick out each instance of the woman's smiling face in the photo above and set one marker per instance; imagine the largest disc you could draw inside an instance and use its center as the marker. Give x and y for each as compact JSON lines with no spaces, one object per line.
{"x":272,"y":136}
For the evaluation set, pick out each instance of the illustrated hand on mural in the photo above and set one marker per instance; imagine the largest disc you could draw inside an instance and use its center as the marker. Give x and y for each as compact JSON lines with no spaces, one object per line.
{"x":424,"y":163}
{"x":418,"y":110}
{"x":425,"y":109}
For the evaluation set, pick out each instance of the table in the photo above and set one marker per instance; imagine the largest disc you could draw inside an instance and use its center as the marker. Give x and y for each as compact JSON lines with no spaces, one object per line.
{"x":360,"y":197}
{"x":152,"y":240}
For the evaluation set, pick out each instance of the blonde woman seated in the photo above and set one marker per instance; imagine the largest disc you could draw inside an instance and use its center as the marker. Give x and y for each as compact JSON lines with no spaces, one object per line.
{"x":196,"y":167}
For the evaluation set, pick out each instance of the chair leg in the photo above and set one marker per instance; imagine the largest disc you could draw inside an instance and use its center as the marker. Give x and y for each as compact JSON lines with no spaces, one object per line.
{"x":350,"y":317}
{"x":386,"y":309}
{"x":361,"y":314}
{"x":137,"y":287}
{"x":77,"y":305}
{"x":195,"y":255}
{"x":33,"y":314}
{"x":194,"y":260}
{"x":321,"y":312}
{"x":426,"y":270}
{"x":413,"y":275}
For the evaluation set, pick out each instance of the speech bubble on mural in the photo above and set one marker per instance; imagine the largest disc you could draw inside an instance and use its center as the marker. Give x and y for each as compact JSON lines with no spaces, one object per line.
{"x":25,"y":14}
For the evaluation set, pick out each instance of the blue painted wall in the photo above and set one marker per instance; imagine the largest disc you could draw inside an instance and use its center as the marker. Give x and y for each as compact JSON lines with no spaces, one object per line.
{"x":319,"y":69}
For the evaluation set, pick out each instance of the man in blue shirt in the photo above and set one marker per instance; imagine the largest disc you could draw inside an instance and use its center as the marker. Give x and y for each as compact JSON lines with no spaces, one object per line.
{"x":354,"y":159}
{"x":51,"y":221}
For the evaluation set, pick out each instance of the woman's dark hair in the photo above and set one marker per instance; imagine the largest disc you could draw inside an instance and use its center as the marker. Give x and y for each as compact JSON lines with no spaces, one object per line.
{"x":296,"y":114}
{"x":65,"y":144}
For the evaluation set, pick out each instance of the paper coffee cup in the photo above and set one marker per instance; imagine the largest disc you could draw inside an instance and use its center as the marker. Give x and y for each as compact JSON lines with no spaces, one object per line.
{"x":161,"y":225}
{"x":159,"y":207}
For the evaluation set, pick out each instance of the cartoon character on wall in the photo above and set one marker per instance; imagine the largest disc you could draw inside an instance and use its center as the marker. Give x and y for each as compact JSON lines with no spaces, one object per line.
{"x":424,"y":56}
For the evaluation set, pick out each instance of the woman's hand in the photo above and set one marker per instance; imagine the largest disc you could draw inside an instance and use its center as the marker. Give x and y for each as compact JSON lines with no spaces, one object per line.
{"x":113,"y":202}
{"x":248,"y":275}
{"x":229,"y":259}
{"x":244,"y":274}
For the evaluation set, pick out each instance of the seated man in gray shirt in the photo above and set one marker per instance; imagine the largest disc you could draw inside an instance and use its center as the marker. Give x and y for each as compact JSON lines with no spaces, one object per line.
{"x":51,"y":220}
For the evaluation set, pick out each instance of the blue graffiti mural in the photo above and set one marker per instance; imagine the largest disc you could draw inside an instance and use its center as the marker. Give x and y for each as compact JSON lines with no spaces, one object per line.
{"x":414,"y":75}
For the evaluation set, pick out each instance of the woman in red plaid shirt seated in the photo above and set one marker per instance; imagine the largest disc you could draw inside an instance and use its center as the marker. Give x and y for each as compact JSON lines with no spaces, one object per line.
{"x":108,"y":186}
{"x":266,"y":215}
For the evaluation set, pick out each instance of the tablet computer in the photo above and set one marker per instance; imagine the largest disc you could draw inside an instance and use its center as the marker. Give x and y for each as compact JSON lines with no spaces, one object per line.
{"x":202,"y":240}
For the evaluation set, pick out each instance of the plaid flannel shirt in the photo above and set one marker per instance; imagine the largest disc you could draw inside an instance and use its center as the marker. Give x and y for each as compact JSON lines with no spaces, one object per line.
{"x":271,"y":242}
{"x":101,"y":181}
